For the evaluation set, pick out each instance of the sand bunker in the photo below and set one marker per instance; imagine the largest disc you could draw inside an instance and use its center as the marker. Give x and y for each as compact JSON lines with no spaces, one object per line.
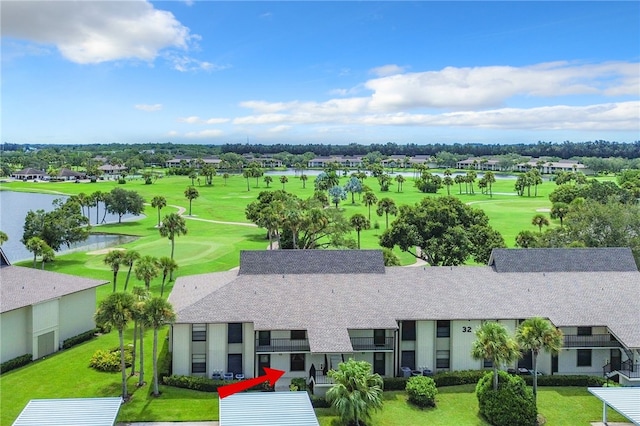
{"x":106,"y":250}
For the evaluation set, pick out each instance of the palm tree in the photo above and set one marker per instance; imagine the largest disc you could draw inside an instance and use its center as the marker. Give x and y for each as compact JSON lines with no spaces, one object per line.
{"x":490,"y":178}
{"x":359,"y":222}
{"x":158,"y":202}
{"x":115,"y":311}
{"x":140,"y":295}
{"x":129,"y":258}
{"x":247,"y":174}
{"x":114,"y":259}
{"x":493,"y":342}
{"x":536,"y":334}
{"x":459,"y":179}
{"x":146,"y":269}
{"x":267,"y":180}
{"x":283,"y":180}
{"x":167,"y":265}
{"x":559,"y":210}
{"x":304,"y":179}
{"x":3,"y":238}
{"x":369,"y":199}
{"x":172,"y":226}
{"x":36,"y":246}
{"x":97,"y":197}
{"x":47,"y":254}
{"x":225,"y":176}
{"x":540,"y":220}
{"x":400,"y":179}
{"x":357,"y":392}
{"x":386,"y":206}
{"x":158,"y":312}
{"x":191,"y":193}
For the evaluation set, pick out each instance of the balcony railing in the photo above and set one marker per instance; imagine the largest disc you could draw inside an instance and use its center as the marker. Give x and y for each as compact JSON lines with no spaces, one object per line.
{"x":282,"y":345}
{"x":371,"y":344}
{"x":627,"y":368}
{"x":592,"y":341}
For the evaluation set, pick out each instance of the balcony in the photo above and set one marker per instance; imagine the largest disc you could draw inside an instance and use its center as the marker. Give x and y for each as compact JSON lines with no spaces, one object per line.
{"x":282,"y":345}
{"x":592,"y":341}
{"x":372,"y":344}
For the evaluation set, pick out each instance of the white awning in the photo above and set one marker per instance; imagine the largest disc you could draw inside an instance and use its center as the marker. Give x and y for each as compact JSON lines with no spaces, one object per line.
{"x":625,"y":401}
{"x":267,"y":409}
{"x":70,"y":412}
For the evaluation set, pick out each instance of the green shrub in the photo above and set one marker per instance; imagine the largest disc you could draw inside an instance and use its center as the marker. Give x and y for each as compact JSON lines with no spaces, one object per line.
{"x":562,"y":380}
{"x":201,"y":384}
{"x":512,"y":404}
{"x":300,"y":383}
{"x":109,"y":360}
{"x":319,"y":402}
{"x":394,"y":383}
{"x":422,"y":391}
{"x":454,"y":378}
{"x":16,"y":362}
{"x":164,"y":361}
{"x":75,"y":340}
{"x":122,"y":181}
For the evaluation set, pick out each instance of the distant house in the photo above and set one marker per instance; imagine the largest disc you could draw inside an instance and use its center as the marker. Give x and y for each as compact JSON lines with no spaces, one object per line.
{"x":67,"y":174}
{"x":29,"y":174}
{"x":41,"y":309}
{"x":550,"y":167}
{"x":344,"y":161}
{"x":180,"y":161}
{"x":479,"y":163}
{"x":112,"y":170}
{"x":305,"y":311}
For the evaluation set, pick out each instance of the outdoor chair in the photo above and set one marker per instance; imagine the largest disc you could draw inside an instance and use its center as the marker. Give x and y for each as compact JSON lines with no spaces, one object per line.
{"x":228,"y":376}
{"x":239,"y":376}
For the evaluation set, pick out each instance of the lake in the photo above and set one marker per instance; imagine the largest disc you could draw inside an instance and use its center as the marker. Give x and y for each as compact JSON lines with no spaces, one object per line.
{"x":14,"y":207}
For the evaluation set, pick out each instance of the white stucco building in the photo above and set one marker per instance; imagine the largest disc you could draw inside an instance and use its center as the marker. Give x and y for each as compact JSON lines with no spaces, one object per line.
{"x":304,"y":311}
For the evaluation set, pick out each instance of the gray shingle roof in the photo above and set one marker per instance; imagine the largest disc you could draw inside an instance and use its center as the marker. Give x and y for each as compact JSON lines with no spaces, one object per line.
{"x":325,"y":304}
{"x":311,"y":262}
{"x":22,"y":287}
{"x":563,"y":260}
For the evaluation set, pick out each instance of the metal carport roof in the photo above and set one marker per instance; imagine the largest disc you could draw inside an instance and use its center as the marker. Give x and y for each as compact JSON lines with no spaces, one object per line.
{"x":69,"y":412}
{"x":625,"y":401}
{"x":267,"y":409}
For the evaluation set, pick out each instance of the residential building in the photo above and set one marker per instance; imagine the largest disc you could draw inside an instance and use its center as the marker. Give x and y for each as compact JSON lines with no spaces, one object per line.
{"x":304,"y":311}
{"x":344,"y":161}
{"x":180,"y":161}
{"x":40,"y":309}
{"x":29,"y":174}
{"x":479,"y":163}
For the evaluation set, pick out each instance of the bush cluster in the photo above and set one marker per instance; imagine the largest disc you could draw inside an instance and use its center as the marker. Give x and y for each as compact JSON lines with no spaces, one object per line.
{"x":394,"y":383}
{"x":109,"y":360}
{"x":300,"y":383}
{"x":512,"y":404}
{"x":319,"y":402}
{"x":422,"y":391}
{"x":454,"y":378}
{"x":201,"y":384}
{"x":16,"y":362}
{"x":82,"y":337}
{"x":164,"y":361}
{"x":562,"y":380}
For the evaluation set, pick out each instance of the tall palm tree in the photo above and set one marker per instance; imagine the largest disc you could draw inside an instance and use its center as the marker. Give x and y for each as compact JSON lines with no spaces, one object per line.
{"x":386,"y":206}
{"x":267,"y":180}
{"x":357,"y":391}
{"x":115,"y":311}
{"x":359,"y":222}
{"x":369,"y":199}
{"x":167,"y":265}
{"x":158,"y":312}
{"x":114,"y":259}
{"x":172,"y":226}
{"x":140,"y":295}
{"x":540,"y":220}
{"x":400,"y":179}
{"x":283,"y":181}
{"x":493,"y":342}
{"x":97,"y":197}
{"x":536,"y":334}
{"x":129,"y":258}
{"x":158,"y":202}
{"x":304,"y":179}
{"x":490,"y":178}
{"x":191,"y":193}
{"x":559,"y":210}
{"x":36,"y":246}
{"x":146,"y":269}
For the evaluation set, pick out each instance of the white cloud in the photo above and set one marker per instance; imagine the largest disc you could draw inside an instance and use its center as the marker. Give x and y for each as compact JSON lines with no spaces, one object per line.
{"x":198,"y":120}
{"x":148,"y":107}
{"x":186,"y":63}
{"x":387,"y":70}
{"x":90,"y":32}
{"x":279,"y":129}
{"x":210,"y":133}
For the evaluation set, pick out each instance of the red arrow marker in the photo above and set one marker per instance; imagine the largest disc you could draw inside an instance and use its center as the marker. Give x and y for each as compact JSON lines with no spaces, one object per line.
{"x":272,"y":377}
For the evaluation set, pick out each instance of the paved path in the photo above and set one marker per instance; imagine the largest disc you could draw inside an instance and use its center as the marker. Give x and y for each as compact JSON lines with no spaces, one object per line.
{"x":182,"y":210}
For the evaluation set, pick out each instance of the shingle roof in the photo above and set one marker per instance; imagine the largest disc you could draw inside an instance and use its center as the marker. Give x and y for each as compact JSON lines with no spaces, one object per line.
{"x":326,"y":304}
{"x":28,"y":286}
{"x":563,"y":260}
{"x":311,"y":262}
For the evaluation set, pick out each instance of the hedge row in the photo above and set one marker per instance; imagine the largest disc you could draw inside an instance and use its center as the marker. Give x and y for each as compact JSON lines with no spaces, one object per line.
{"x":75,"y":340}
{"x":561,"y":380}
{"x":14,"y":363}
{"x":204,"y":384}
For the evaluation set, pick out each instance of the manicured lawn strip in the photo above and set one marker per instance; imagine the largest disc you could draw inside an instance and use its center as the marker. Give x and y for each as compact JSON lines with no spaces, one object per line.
{"x":458,"y":405}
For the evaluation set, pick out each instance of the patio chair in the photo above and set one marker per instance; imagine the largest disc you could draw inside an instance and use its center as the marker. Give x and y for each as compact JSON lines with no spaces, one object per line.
{"x":216,"y":376}
{"x":239,"y":376}
{"x":228,"y":376}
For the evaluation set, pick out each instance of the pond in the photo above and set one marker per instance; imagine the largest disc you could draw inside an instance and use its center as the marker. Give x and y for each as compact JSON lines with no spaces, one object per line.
{"x":14,"y":207}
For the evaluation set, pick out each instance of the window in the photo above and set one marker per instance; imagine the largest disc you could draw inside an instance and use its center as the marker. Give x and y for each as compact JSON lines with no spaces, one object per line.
{"x":442,"y":359}
{"x":234,"y":332}
{"x":487,"y":363}
{"x":297,"y":362}
{"x":378,"y":337}
{"x":408,"y":359}
{"x":198,"y":332}
{"x":298,"y":334}
{"x":198,"y":364}
{"x":264,"y":338}
{"x":584,"y":331}
{"x":443,"y":329}
{"x":234,"y":363}
{"x":584,"y":358}
{"x":408,"y":330}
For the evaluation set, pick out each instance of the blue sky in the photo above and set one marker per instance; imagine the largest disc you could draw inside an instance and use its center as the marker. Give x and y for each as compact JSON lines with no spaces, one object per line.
{"x":322,"y":72}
